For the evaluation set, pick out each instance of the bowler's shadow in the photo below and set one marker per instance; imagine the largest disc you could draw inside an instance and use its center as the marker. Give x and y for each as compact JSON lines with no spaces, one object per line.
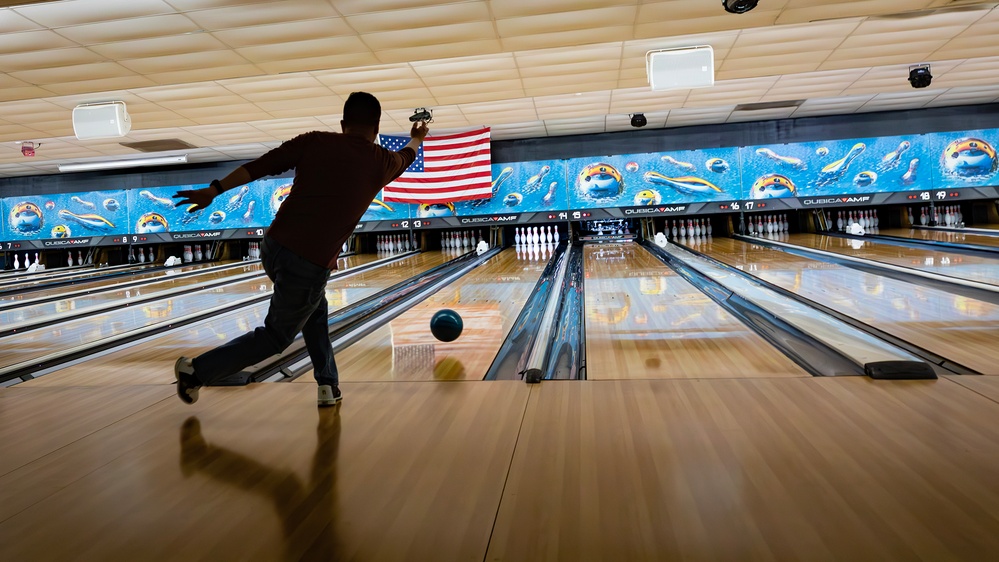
{"x":307,"y":511}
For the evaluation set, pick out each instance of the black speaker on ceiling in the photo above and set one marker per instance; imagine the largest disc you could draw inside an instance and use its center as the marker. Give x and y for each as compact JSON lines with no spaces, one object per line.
{"x":739,"y":6}
{"x":919,"y":76}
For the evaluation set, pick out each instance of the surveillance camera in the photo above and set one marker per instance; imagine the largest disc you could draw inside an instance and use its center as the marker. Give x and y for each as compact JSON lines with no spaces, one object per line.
{"x":919,"y":76}
{"x":421,"y":114}
{"x":639,"y":120}
{"x":739,"y":6}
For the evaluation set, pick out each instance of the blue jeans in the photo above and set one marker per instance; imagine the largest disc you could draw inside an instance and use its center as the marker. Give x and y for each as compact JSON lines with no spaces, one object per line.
{"x":297,"y":305}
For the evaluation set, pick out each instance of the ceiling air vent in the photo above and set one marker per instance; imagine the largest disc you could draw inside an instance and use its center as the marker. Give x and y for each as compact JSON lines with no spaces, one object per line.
{"x":768,"y":105}
{"x":161,"y":145}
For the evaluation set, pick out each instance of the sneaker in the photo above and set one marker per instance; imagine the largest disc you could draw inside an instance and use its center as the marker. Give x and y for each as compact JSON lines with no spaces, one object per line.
{"x":329,"y":395}
{"x":187,"y":383}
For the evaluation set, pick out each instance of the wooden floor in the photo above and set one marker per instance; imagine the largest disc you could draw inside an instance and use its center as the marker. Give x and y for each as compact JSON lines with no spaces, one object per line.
{"x":740,"y":469}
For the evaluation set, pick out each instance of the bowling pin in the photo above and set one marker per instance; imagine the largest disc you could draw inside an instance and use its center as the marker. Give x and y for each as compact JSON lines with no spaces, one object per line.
{"x":79,"y":257}
{"x":674,"y":230}
{"x":142,"y":255}
{"x":752,"y":227}
{"x":198,"y":256}
{"x":683,"y":230}
{"x":36,"y":258}
{"x":555,"y":236}
{"x":17,"y":263}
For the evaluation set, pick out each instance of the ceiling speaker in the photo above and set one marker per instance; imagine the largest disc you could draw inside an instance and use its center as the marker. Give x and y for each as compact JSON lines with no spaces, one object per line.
{"x":101,"y":120}
{"x":689,"y":67}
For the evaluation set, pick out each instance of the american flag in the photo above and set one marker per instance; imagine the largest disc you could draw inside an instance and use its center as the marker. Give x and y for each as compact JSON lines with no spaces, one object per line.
{"x":451,"y":167}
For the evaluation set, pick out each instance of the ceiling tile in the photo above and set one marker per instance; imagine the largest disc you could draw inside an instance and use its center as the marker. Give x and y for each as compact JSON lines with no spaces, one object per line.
{"x":286,"y":32}
{"x":204,"y":74}
{"x":311,"y":49}
{"x":420,"y":17}
{"x":74,"y":73}
{"x":126,"y":30}
{"x":47,"y":59}
{"x":31,"y":41}
{"x":159,"y":46}
{"x":76,"y":12}
{"x":261,"y":14}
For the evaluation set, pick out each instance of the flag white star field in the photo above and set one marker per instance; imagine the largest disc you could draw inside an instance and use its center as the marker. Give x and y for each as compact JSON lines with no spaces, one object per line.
{"x":450,"y":167}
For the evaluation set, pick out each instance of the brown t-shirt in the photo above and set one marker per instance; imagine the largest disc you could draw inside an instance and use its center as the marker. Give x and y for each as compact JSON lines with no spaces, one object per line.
{"x":336,"y":177}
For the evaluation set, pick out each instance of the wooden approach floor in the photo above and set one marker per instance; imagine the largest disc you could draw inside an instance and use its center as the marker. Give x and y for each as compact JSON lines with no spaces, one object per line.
{"x":752,"y":469}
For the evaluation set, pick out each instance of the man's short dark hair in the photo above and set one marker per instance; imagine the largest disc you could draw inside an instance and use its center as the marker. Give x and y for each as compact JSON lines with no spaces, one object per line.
{"x":362,"y":108}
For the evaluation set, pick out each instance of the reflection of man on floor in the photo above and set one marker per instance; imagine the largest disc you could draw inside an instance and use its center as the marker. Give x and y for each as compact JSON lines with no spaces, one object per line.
{"x":306,"y":512}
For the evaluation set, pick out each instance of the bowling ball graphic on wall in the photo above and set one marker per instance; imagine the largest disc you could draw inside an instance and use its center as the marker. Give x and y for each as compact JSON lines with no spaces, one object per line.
{"x":26,"y":218}
{"x":600,"y":181}
{"x":61,"y":231}
{"x":279,"y":195}
{"x":513,"y":199}
{"x":150,"y":223}
{"x":970,"y":158}
{"x":648,"y":197}
{"x":432,"y":210}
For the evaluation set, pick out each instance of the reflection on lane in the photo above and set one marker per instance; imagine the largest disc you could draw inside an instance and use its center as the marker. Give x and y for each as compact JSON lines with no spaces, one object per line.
{"x":644,"y":321}
{"x":952,"y":236}
{"x":953,"y":326}
{"x":973,"y":268}
{"x":489,"y":298}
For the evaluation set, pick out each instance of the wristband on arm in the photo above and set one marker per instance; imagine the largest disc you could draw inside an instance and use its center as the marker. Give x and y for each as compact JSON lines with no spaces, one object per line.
{"x":217,"y":185}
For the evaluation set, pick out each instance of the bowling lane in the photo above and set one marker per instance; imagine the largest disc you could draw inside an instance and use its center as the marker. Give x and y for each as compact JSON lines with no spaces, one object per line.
{"x":168,"y":284}
{"x":489,"y":298}
{"x":984,"y":270}
{"x":39,"y":280}
{"x":151,"y":361}
{"x":952,"y":326}
{"x":9,"y":275}
{"x":952,"y":236}
{"x":94,"y":278}
{"x":643,"y":321}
